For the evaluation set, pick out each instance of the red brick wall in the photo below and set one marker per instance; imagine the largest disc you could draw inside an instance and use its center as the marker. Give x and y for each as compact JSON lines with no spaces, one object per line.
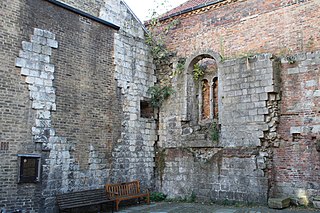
{"x":296,"y":161}
{"x":250,"y":26}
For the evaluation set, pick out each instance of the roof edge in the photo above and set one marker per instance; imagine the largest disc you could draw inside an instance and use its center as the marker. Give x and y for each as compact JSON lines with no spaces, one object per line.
{"x":80,"y":12}
{"x":190,"y":10}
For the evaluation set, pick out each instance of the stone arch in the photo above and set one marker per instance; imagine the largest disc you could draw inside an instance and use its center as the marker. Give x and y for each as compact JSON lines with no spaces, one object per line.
{"x":189,"y":105}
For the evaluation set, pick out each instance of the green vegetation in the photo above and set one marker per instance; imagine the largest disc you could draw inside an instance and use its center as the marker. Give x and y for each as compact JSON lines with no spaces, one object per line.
{"x":198,"y":71}
{"x":214,"y":132}
{"x":157,"y":196}
{"x":155,"y":38}
{"x":158,"y":94}
{"x":179,"y":68}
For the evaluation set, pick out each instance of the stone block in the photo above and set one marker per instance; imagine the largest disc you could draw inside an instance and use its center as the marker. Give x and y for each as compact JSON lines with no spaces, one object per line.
{"x":293,"y":70}
{"x":295,"y":130}
{"x":46,"y":50}
{"x":38,"y":32}
{"x":279,"y":203}
{"x":48,"y":34}
{"x":316,"y":204}
{"x":49,"y":67}
{"x":21,"y":62}
{"x":52,"y":43}
{"x":24,"y":71}
{"x":26,"y":46}
{"x":36,"y":48}
{"x":38,"y":40}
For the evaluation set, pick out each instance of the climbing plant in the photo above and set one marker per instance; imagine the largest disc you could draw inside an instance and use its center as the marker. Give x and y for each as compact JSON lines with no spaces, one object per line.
{"x":155,"y":38}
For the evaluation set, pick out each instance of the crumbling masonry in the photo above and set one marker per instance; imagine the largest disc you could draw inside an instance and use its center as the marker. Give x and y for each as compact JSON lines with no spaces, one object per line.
{"x":74,"y":106}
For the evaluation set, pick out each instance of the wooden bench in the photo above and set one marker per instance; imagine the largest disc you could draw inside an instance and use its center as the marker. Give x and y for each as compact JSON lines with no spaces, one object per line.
{"x":126,"y":191}
{"x":83,"y":198}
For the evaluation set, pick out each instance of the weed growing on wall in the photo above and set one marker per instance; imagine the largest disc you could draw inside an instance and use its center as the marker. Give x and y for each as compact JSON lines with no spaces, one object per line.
{"x":158,"y":94}
{"x":198,"y":71}
{"x":155,"y":38}
{"x":214,"y":132}
{"x":179,"y":67}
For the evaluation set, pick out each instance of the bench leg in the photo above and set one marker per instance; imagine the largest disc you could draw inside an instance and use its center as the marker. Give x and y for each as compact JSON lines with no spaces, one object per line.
{"x":148,"y":200}
{"x":117,"y":205}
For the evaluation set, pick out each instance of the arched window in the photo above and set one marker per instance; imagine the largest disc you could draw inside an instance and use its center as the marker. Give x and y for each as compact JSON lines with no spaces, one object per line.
{"x":201,"y":88}
{"x":208,"y":90}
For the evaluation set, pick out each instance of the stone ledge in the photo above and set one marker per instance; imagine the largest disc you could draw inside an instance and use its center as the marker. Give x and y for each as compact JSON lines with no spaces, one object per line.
{"x":279,"y":203}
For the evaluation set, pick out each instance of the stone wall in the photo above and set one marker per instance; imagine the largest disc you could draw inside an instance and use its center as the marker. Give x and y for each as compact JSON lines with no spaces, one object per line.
{"x":296,"y":160}
{"x":235,"y":166}
{"x":244,"y":92}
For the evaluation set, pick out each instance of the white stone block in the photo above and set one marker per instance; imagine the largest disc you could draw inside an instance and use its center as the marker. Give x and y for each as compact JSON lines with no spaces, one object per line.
{"x":46,"y":50}
{"x":30,"y":80}
{"x":48,"y":34}
{"x":33,"y":88}
{"x":295,"y":130}
{"x":47,"y":83}
{"x":293,"y":70}
{"x":49,"y":67}
{"x":35,"y":131}
{"x":44,"y":75}
{"x":20,"y":62}
{"x":26,"y":46}
{"x":38,"y":32}
{"x":44,"y":58}
{"x":36,"y":48}
{"x":316,"y":129}
{"x":311,"y":83}
{"x":316,"y":93}
{"x":24,"y":71}
{"x":38,"y":81}
{"x":269,"y":88}
{"x":34,"y":73}
{"x":37,"y":105}
{"x":50,"y":90}
{"x":52,"y":43}
{"x":39,"y":40}
{"x":24,"y":54}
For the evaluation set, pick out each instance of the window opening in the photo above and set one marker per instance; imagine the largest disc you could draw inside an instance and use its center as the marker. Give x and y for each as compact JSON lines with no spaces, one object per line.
{"x":146,"y":110}
{"x":205,"y":112}
{"x":215,"y":97}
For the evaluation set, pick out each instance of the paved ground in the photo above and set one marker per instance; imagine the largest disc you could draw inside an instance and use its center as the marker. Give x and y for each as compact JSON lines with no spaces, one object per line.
{"x":167,"y":207}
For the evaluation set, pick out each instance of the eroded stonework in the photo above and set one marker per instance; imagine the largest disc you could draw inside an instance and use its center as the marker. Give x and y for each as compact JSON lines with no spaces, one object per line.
{"x":34,"y":60}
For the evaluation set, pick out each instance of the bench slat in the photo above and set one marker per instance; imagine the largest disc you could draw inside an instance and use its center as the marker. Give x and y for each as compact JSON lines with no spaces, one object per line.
{"x":82,"y":198}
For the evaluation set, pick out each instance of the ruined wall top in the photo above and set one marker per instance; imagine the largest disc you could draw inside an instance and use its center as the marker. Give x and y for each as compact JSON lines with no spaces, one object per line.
{"x":114,"y":11}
